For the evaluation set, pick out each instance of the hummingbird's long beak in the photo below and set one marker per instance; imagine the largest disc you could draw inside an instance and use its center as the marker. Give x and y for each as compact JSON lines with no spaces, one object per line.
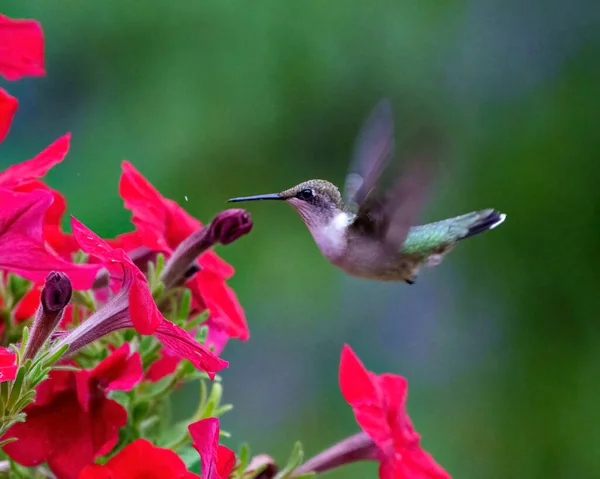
{"x":271,"y":196}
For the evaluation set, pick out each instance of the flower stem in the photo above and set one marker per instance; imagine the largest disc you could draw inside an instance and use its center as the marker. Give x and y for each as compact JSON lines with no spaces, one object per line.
{"x":355,"y":448}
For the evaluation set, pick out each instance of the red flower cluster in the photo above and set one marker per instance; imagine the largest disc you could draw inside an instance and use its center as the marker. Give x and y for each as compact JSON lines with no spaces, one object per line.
{"x":87,"y":419}
{"x":142,"y":460}
{"x":72,"y":420}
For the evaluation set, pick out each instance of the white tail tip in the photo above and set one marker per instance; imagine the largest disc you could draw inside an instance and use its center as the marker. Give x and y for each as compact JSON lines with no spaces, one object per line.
{"x":499,"y":222}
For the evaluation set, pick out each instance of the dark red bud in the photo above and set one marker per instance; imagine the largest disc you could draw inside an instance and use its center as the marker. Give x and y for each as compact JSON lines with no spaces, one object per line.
{"x":55,"y":297}
{"x":229,"y":225}
{"x":57,"y":292}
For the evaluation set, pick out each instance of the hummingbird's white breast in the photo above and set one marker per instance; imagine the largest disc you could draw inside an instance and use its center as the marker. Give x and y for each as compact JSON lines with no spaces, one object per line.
{"x":331,"y":236}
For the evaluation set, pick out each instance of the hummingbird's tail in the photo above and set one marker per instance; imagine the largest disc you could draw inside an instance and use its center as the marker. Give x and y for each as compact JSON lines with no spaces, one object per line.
{"x":479,"y":221}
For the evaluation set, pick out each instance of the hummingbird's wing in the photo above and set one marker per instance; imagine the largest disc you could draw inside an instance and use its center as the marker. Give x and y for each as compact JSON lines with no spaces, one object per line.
{"x":388,"y":215}
{"x":372,"y":151}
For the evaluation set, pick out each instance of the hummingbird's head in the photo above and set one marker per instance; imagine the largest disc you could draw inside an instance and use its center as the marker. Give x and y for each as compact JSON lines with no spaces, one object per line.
{"x":317,"y":201}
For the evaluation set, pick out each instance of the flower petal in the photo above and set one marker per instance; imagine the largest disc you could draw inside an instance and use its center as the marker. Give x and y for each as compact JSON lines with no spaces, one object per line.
{"x":67,"y":445}
{"x":21,"y":48}
{"x":355,"y":381}
{"x":140,"y":460}
{"x":8,"y":108}
{"x":217,"y":461}
{"x":222,"y":302}
{"x":120,"y":371}
{"x":181,"y":342}
{"x":161,"y":222}
{"x":38,"y":166}
{"x":8,"y":365}
{"x":22,"y":248}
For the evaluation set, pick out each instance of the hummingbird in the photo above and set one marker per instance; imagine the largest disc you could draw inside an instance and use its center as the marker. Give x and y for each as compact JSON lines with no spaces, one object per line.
{"x":369,"y":232}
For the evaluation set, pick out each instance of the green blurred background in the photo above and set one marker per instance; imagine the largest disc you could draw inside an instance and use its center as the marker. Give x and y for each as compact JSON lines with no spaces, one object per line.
{"x":214,"y":99}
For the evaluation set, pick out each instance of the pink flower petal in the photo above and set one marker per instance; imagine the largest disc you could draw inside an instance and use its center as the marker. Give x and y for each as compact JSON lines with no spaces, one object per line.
{"x":181,"y":342}
{"x":120,"y":371}
{"x":22,"y":249}
{"x":21,"y":48}
{"x":8,"y":108}
{"x":38,"y":166}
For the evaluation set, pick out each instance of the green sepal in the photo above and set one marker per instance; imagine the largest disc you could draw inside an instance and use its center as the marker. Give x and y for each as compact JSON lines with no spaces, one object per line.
{"x":24,"y":339}
{"x":195,"y":321}
{"x":54,"y":357}
{"x":15,"y":390}
{"x":160,"y":263}
{"x":185,"y":306}
{"x":24,"y":400}
{"x":4,"y":391}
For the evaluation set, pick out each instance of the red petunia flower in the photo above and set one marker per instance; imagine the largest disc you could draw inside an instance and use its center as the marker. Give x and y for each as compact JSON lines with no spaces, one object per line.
{"x":8,"y":107}
{"x":162,"y":225}
{"x":22,"y":249}
{"x":217,"y":461}
{"x":379,"y":405}
{"x":140,"y":460}
{"x":25,"y":177}
{"x":8,"y":365}
{"x":21,"y":48}
{"x":133,"y":306}
{"x":72,"y":421}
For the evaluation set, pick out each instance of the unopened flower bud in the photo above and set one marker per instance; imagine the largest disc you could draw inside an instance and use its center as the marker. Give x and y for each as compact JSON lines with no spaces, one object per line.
{"x":229,"y":225}
{"x":55,"y":297}
{"x":57,"y":292}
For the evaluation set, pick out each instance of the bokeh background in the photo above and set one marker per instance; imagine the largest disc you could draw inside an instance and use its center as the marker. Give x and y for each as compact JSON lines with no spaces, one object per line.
{"x":214,"y":99}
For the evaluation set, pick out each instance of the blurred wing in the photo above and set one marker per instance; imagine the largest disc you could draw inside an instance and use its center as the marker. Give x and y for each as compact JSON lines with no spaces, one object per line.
{"x":389,"y":216}
{"x":373,"y":148}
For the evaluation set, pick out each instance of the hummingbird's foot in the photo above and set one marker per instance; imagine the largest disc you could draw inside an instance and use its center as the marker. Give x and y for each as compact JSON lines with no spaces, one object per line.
{"x":411,"y":281}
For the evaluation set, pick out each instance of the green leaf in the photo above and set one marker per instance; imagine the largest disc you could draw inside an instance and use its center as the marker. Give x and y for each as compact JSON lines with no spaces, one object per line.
{"x":15,"y":391}
{"x":244,"y":456}
{"x":293,"y":462}
{"x":189,"y":456}
{"x":140,"y":409}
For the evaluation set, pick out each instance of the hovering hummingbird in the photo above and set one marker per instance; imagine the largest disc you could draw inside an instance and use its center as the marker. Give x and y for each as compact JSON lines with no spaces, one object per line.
{"x":368,"y":233}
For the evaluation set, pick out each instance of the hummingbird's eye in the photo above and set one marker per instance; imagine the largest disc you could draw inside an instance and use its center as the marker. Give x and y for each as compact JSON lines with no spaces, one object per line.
{"x":306,"y":194}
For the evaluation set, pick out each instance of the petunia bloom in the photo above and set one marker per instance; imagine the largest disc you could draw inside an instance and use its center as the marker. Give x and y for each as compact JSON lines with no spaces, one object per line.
{"x":21,"y":48}
{"x":72,"y":421}
{"x":133,"y":306}
{"x":22,"y":248}
{"x":8,"y":365}
{"x":217,"y":461}
{"x":25,"y":177}
{"x":140,"y":460}
{"x":379,"y":405}
{"x":161,"y":225}
{"x":8,"y":107}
